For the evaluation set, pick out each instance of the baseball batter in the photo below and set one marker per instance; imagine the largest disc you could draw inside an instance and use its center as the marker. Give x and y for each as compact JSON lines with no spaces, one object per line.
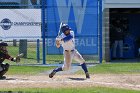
{"x":4,"y":55}
{"x":67,"y":41}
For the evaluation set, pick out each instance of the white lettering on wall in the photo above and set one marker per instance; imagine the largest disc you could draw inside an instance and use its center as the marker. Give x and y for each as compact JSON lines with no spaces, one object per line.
{"x":90,"y":42}
{"x":79,"y":11}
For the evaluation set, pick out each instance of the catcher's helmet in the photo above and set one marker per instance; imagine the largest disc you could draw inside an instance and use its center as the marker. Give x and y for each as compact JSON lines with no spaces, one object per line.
{"x":65,"y":27}
{"x":3,"y":44}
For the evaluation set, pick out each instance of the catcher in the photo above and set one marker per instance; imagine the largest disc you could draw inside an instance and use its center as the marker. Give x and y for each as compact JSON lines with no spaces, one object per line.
{"x":4,"y":55}
{"x":66,"y":40}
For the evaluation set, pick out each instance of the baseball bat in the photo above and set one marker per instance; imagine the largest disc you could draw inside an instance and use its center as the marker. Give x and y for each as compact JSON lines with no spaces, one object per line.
{"x":59,"y":32}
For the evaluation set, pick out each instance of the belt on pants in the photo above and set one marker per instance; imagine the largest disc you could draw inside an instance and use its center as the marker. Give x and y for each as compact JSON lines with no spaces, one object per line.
{"x":69,"y":50}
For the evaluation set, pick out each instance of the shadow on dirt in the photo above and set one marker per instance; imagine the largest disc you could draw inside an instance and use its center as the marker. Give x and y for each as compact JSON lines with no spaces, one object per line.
{"x":15,"y":79}
{"x":77,"y":79}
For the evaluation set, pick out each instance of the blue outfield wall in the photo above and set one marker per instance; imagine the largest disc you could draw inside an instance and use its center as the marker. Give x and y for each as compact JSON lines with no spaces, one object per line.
{"x":82,"y":17}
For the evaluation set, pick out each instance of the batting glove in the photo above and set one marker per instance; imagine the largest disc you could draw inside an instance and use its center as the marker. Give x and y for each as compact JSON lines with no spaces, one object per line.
{"x":58,"y":39}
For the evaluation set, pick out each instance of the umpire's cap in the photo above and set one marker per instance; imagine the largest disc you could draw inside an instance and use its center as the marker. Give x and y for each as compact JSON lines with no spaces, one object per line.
{"x":3,"y":44}
{"x":65,"y":27}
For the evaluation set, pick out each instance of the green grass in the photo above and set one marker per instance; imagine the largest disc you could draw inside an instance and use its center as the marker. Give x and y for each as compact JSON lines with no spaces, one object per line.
{"x":116,"y":68}
{"x":32,"y":55}
{"x":72,"y":90}
{"x":111,"y":68}
{"x":27,"y":70}
{"x":105,"y":68}
{"x":31,"y":52}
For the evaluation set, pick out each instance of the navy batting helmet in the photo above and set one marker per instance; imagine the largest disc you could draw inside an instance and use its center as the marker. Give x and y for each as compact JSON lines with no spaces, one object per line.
{"x":65,"y":27}
{"x":3,"y":44}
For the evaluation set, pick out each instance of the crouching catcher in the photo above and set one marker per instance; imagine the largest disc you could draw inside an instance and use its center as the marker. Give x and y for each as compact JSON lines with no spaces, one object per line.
{"x":4,"y":55}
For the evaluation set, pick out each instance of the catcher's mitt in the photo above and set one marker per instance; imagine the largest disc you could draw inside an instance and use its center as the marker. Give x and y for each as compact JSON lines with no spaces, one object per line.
{"x":17,"y":59}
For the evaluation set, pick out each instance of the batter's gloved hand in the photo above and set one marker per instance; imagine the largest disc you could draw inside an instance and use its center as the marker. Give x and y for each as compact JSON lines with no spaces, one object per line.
{"x":58,"y":39}
{"x":17,"y":59}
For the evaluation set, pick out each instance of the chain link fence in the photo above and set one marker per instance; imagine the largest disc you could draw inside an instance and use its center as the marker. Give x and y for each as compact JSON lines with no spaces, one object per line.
{"x":33,"y":49}
{"x":82,"y":17}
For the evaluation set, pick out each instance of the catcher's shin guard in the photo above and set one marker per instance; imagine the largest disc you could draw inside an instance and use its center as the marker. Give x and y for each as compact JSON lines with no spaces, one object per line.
{"x":5,"y":69}
{"x":2,"y":77}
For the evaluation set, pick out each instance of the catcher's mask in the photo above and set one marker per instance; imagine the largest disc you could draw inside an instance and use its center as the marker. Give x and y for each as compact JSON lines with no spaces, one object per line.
{"x":65,"y":27}
{"x":3,"y":48}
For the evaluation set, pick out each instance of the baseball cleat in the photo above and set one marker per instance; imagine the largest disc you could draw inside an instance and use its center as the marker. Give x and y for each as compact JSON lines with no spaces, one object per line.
{"x":87,"y":75}
{"x":2,"y":77}
{"x":52,"y":74}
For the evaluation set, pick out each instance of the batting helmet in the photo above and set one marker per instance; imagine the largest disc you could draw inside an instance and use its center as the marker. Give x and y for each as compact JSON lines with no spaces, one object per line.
{"x":65,"y":27}
{"x":3,"y":44}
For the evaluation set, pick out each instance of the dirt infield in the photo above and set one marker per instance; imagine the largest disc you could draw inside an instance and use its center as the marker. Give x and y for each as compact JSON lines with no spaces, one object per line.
{"x":43,"y":81}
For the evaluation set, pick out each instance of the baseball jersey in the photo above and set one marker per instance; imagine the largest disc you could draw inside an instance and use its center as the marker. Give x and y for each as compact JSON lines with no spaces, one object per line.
{"x":68,"y":42}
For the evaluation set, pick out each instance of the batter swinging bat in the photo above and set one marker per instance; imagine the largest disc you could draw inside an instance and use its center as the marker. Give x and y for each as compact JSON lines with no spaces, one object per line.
{"x":59,"y":32}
